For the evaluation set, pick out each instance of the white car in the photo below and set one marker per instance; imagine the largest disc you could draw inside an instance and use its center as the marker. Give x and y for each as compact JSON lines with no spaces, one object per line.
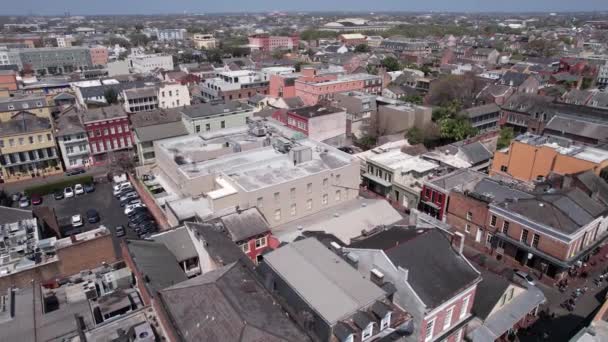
{"x":68,"y":192}
{"x":77,"y":221}
{"x":130,"y":208}
{"x":525,"y":277}
{"x":78,"y":189}
{"x":122,"y":186}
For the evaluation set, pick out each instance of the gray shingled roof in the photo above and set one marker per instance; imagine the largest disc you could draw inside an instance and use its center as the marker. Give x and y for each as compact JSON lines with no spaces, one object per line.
{"x":24,"y":122}
{"x":578,"y":126}
{"x":228,"y":304}
{"x":245,"y":224}
{"x":103,"y":113}
{"x":481,"y":110}
{"x":68,"y":123}
{"x":178,"y":241}
{"x":427,"y":254}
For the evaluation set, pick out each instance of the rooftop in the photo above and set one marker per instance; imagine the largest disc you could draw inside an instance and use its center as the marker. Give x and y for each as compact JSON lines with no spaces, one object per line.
{"x":461,"y":179}
{"x":228,"y":304}
{"x":425,"y":253}
{"x":591,"y":154}
{"x":103,"y":113}
{"x":314,"y":111}
{"x":209,"y":109}
{"x":338,"y":290}
{"x":397,"y":160}
{"x":245,"y":224}
{"x":24,"y":122}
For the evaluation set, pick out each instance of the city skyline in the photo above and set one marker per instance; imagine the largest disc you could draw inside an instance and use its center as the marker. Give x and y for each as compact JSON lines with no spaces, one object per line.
{"x":111,"y":7}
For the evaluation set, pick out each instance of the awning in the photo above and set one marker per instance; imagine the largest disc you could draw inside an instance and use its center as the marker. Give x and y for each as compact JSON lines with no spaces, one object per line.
{"x":377,"y":180}
{"x":534,"y":251}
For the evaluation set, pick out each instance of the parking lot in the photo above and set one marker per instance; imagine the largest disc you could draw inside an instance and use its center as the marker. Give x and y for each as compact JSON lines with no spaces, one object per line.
{"x":102,"y":200}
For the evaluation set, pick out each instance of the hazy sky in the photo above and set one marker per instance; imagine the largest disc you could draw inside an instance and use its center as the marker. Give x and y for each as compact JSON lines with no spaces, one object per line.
{"x":46,"y":7}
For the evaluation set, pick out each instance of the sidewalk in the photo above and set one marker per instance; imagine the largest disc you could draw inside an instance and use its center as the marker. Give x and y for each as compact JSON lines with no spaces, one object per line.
{"x":95,"y":171}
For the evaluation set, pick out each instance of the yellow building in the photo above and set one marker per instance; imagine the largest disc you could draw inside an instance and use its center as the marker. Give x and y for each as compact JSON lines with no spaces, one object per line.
{"x":35,"y":104}
{"x":27,"y":148}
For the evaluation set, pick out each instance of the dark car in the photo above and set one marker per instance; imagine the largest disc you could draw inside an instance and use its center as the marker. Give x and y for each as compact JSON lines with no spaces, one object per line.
{"x":75,"y":171}
{"x":58,"y":194}
{"x":120,"y":231}
{"x":139,"y":221}
{"x":93,"y":216}
{"x":146,"y":228}
{"x":89,"y":187}
{"x":36,"y":200}
{"x":128,"y":198}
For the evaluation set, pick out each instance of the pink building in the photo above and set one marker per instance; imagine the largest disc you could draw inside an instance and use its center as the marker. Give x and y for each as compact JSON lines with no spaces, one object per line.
{"x":266,"y":42}
{"x":312,"y":88}
{"x":99,"y":55}
{"x":108,"y":131}
{"x":283,"y":85}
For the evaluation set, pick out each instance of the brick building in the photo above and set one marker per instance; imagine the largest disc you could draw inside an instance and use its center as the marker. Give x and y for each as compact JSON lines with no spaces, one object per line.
{"x":312,"y":88}
{"x":320,"y":123}
{"x":108,"y":131}
{"x":265,"y":42}
{"x":99,"y":55}
{"x":352,"y":39}
{"x":8,"y":80}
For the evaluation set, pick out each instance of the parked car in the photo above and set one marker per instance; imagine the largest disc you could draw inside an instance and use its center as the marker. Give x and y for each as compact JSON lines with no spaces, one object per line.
{"x":139,"y":221}
{"x":525,"y":277}
{"x":128,"y":197}
{"x":92,"y":216}
{"x":146,"y":227}
{"x":77,"y":221}
{"x":89,"y":187}
{"x":135,"y":201}
{"x":24,"y":202}
{"x":75,"y":171}
{"x":16,"y":196}
{"x":121,"y":187}
{"x":36,"y":199}
{"x":68,"y":192}
{"x":78,"y":189}
{"x":138,"y":211}
{"x":58,"y":194}
{"x":120,"y":231}
{"x":130,"y":207}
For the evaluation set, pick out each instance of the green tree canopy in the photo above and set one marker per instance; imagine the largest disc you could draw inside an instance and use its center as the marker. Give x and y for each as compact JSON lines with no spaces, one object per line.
{"x":362,"y":48}
{"x":391,"y":64}
{"x":111,"y":96}
{"x":456,"y":129}
{"x":504,"y":140}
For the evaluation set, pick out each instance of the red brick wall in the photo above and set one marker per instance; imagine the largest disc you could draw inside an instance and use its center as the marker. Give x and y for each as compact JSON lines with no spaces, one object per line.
{"x":441,"y":316}
{"x":72,"y":259}
{"x":460,"y":205}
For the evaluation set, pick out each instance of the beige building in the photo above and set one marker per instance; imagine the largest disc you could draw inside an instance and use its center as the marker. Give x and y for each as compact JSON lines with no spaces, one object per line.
{"x":27,"y":148}
{"x":285,"y":179}
{"x":204,"y":40}
{"x":34,"y":104}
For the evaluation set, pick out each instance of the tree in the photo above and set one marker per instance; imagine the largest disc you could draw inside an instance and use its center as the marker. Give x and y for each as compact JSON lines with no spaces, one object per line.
{"x":139,"y":39}
{"x":449,"y":110}
{"x":456,"y":129}
{"x":367,"y":141}
{"x":543,"y":48}
{"x":460,"y":88}
{"x":111,"y":96}
{"x":362,"y":48}
{"x":214,"y":56}
{"x":414,"y":136}
{"x":391,"y":64}
{"x":278,"y":54}
{"x":506,"y":135}
{"x":413,"y":98}
{"x":5,"y":199}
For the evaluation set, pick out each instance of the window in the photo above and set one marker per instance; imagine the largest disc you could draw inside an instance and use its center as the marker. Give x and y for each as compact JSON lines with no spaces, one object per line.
{"x":21,"y":141}
{"x":325,"y":182}
{"x":447,"y":321}
{"x":292,"y":193}
{"x":337,"y":179}
{"x":49,"y":137}
{"x":430,"y":326}
{"x":223,"y":124}
{"x":261,"y":242}
{"x":40,"y":138}
{"x":325,"y":198}
{"x":465,"y":307}
{"x":503,"y":168}
{"x":126,"y":128}
{"x":338,"y":195}
{"x":207,"y":127}
{"x":119,"y":129}
{"x":503,"y":299}
{"x":469,"y":216}
{"x":535,"y":240}
{"x":493,"y":221}
{"x":368,"y":332}
{"x":97,"y":133}
{"x":112,"y":130}
{"x":467,"y":228}
{"x":277,"y":197}
{"x":105,"y":131}
{"x":277,"y":215}
{"x":309,"y":204}
{"x":386,"y":321}
{"x":31,"y":139}
{"x":245,"y":247}
{"x":309,"y":188}
{"x":511,"y":292}
{"x":459,"y":335}
{"x":524,"y":236}
{"x":260,"y":203}
{"x":489,"y":239}
{"x":11,"y":142}
{"x":197,"y":128}
{"x":505,"y":227}
{"x":293,"y":210}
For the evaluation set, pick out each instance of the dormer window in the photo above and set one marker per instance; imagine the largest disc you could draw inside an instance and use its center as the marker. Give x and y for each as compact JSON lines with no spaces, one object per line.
{"x":367,"y":332}
{"x":386,"y":321}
